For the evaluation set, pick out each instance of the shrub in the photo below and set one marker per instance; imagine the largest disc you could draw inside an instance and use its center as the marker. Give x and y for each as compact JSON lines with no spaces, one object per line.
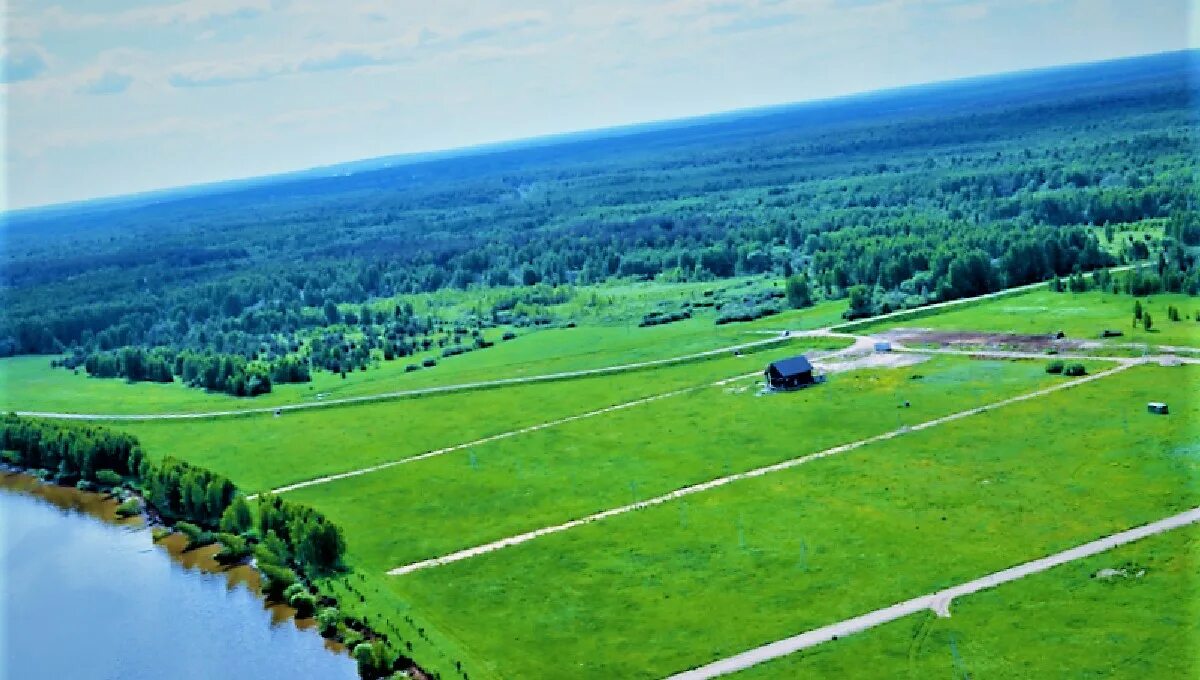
{"x":1075,"y":370}
{"x":159,"y":533}
{"x":304,"y":603}
{"x":237,"y":518}
{"x":129,"y":507}
{"x":508,"y":335}
{"x":278,"y":579}
{"x":429,"y":363}
{"x":108,"y":478}
{"x":411,"y":367}
{"x":374,"y":659}
{"x":327,"y":620}
{"x":1055,"y":366}
{"x":234,"y":548}
{"x":196,"y":536}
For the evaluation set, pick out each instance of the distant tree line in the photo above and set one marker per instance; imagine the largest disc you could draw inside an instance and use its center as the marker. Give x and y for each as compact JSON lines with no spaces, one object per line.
{"x":229,"y":373}
{"x":890,"y":212}
{"x":176,"y":489}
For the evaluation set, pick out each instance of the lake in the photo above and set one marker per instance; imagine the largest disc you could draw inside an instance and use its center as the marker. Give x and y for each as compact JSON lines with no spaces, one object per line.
{"x":84,"y":595}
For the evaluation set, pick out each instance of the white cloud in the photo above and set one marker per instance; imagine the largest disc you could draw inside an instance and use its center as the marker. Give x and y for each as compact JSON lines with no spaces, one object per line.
{"x":21,"y":62}
{"x":105,"y":81}
{"x":265,"y":66}
{"x":973,"y":11}
{"x":180,"y":13}
{"x":492,"y":38}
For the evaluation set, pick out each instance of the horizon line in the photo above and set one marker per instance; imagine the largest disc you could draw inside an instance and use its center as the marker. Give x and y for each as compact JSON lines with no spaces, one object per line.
{"x":549,"y":138}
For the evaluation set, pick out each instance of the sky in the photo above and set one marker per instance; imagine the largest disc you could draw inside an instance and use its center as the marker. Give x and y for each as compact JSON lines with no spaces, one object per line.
{"x":107,"y":97}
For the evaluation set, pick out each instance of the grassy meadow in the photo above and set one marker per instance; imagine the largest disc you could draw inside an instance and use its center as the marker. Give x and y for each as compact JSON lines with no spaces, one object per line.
{"x":1082,"y":316}
{"x":513,"y":485}
{"x":761,"y":559}
{"x":262,"y":451}
{"x":28,"y":383}
{"x":1070,"y":621}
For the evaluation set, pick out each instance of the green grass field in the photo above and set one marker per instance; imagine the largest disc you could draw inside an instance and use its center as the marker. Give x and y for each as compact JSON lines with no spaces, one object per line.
{"x":552,"y":476}
{"x":1082,"y":316}
{"x":262,"y":451}
{"x":29,"y":384}
{"x":678,"y":585}
{"x":1063,"y":623}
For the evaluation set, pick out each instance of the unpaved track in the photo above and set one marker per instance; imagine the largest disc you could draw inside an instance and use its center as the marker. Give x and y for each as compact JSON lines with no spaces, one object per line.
{"x":938,"y":602}
{"x":1042,"y":356}
{"x":757,"y":472}
{"x":423,"y":391}
{"x":525,"y":430}
{"x":901,"y":313}
{"x":861,"y":342}
{"x":503,"y":435}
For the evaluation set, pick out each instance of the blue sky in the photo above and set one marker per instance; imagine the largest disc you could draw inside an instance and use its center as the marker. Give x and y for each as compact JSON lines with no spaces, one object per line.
{"x":103,"y":97}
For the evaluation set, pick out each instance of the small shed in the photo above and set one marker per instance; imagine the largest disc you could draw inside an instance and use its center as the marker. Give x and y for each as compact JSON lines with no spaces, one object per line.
{"x":789,"y":374}
{"x":1157,"y":407}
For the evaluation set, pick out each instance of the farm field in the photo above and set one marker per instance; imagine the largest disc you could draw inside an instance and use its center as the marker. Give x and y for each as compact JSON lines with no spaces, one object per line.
{"x":262,"y":451}
{"x":1082,"y":316}
{"x":519,"y":484}
{"x":29,"y":384}
{"x":1072,"y":621}
{"x":764,"y":558}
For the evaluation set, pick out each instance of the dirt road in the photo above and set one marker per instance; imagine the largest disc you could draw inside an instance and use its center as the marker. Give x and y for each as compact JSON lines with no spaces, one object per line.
{"x":938,"y":602}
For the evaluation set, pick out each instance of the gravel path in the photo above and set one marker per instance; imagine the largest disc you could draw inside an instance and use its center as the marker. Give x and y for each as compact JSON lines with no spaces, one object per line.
{"x":820,"y":356}
{"x":938,"y":602}
{"x":503,"y":435}
{"x":861,"y":342}
{"x":722,"y":481}
{"x":438,"y":389}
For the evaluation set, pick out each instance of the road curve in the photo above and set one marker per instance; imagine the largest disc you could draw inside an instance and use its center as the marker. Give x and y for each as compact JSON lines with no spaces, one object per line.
{"x":938,"y":602}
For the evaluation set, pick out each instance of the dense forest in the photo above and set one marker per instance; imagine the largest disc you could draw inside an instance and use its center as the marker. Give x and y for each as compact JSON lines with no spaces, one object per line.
{"x":892,"y":200}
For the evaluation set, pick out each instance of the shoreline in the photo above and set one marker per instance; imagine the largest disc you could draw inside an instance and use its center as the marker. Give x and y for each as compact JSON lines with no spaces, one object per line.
{"x":102,"y":505}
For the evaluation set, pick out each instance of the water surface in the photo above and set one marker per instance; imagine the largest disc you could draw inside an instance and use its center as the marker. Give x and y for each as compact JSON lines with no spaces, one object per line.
{"x":83,"y":595}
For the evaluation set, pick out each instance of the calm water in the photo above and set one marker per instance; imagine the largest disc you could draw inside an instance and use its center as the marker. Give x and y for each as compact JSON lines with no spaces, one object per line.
{"x":84,"y":596}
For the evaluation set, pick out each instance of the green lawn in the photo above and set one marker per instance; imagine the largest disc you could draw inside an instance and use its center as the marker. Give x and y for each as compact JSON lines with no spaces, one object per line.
{"x":1063,"y":623}
{"x":687,"y":582}
{"x":555,"y":475}
{"x":29,"y":384}
{"x":261,"y":451}
{"x":1082,"y":316}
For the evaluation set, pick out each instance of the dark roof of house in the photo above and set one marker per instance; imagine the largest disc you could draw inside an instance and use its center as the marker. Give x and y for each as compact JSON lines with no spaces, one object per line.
{"x":793,"y":366}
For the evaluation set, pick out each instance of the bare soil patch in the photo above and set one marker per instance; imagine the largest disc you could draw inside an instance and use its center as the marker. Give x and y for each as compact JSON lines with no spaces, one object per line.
{"x":982,"y":340}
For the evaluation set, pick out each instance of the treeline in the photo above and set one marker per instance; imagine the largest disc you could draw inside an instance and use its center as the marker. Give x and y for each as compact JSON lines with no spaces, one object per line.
{"x":1178,"y":274}
{"x":304,"y":535}
{"x":179,"y":491}
{"x":68,"y":451}
{"x":907,"y":206}
{"x":229,"y":373}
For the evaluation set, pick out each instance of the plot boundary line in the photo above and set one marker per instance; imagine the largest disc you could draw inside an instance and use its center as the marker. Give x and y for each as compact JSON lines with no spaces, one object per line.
{"x":422,"y":391}
{"x":525,"y":537}
{"x":938,"y":602}
{"x":502,"y":435}
{"x":835,"y":330}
